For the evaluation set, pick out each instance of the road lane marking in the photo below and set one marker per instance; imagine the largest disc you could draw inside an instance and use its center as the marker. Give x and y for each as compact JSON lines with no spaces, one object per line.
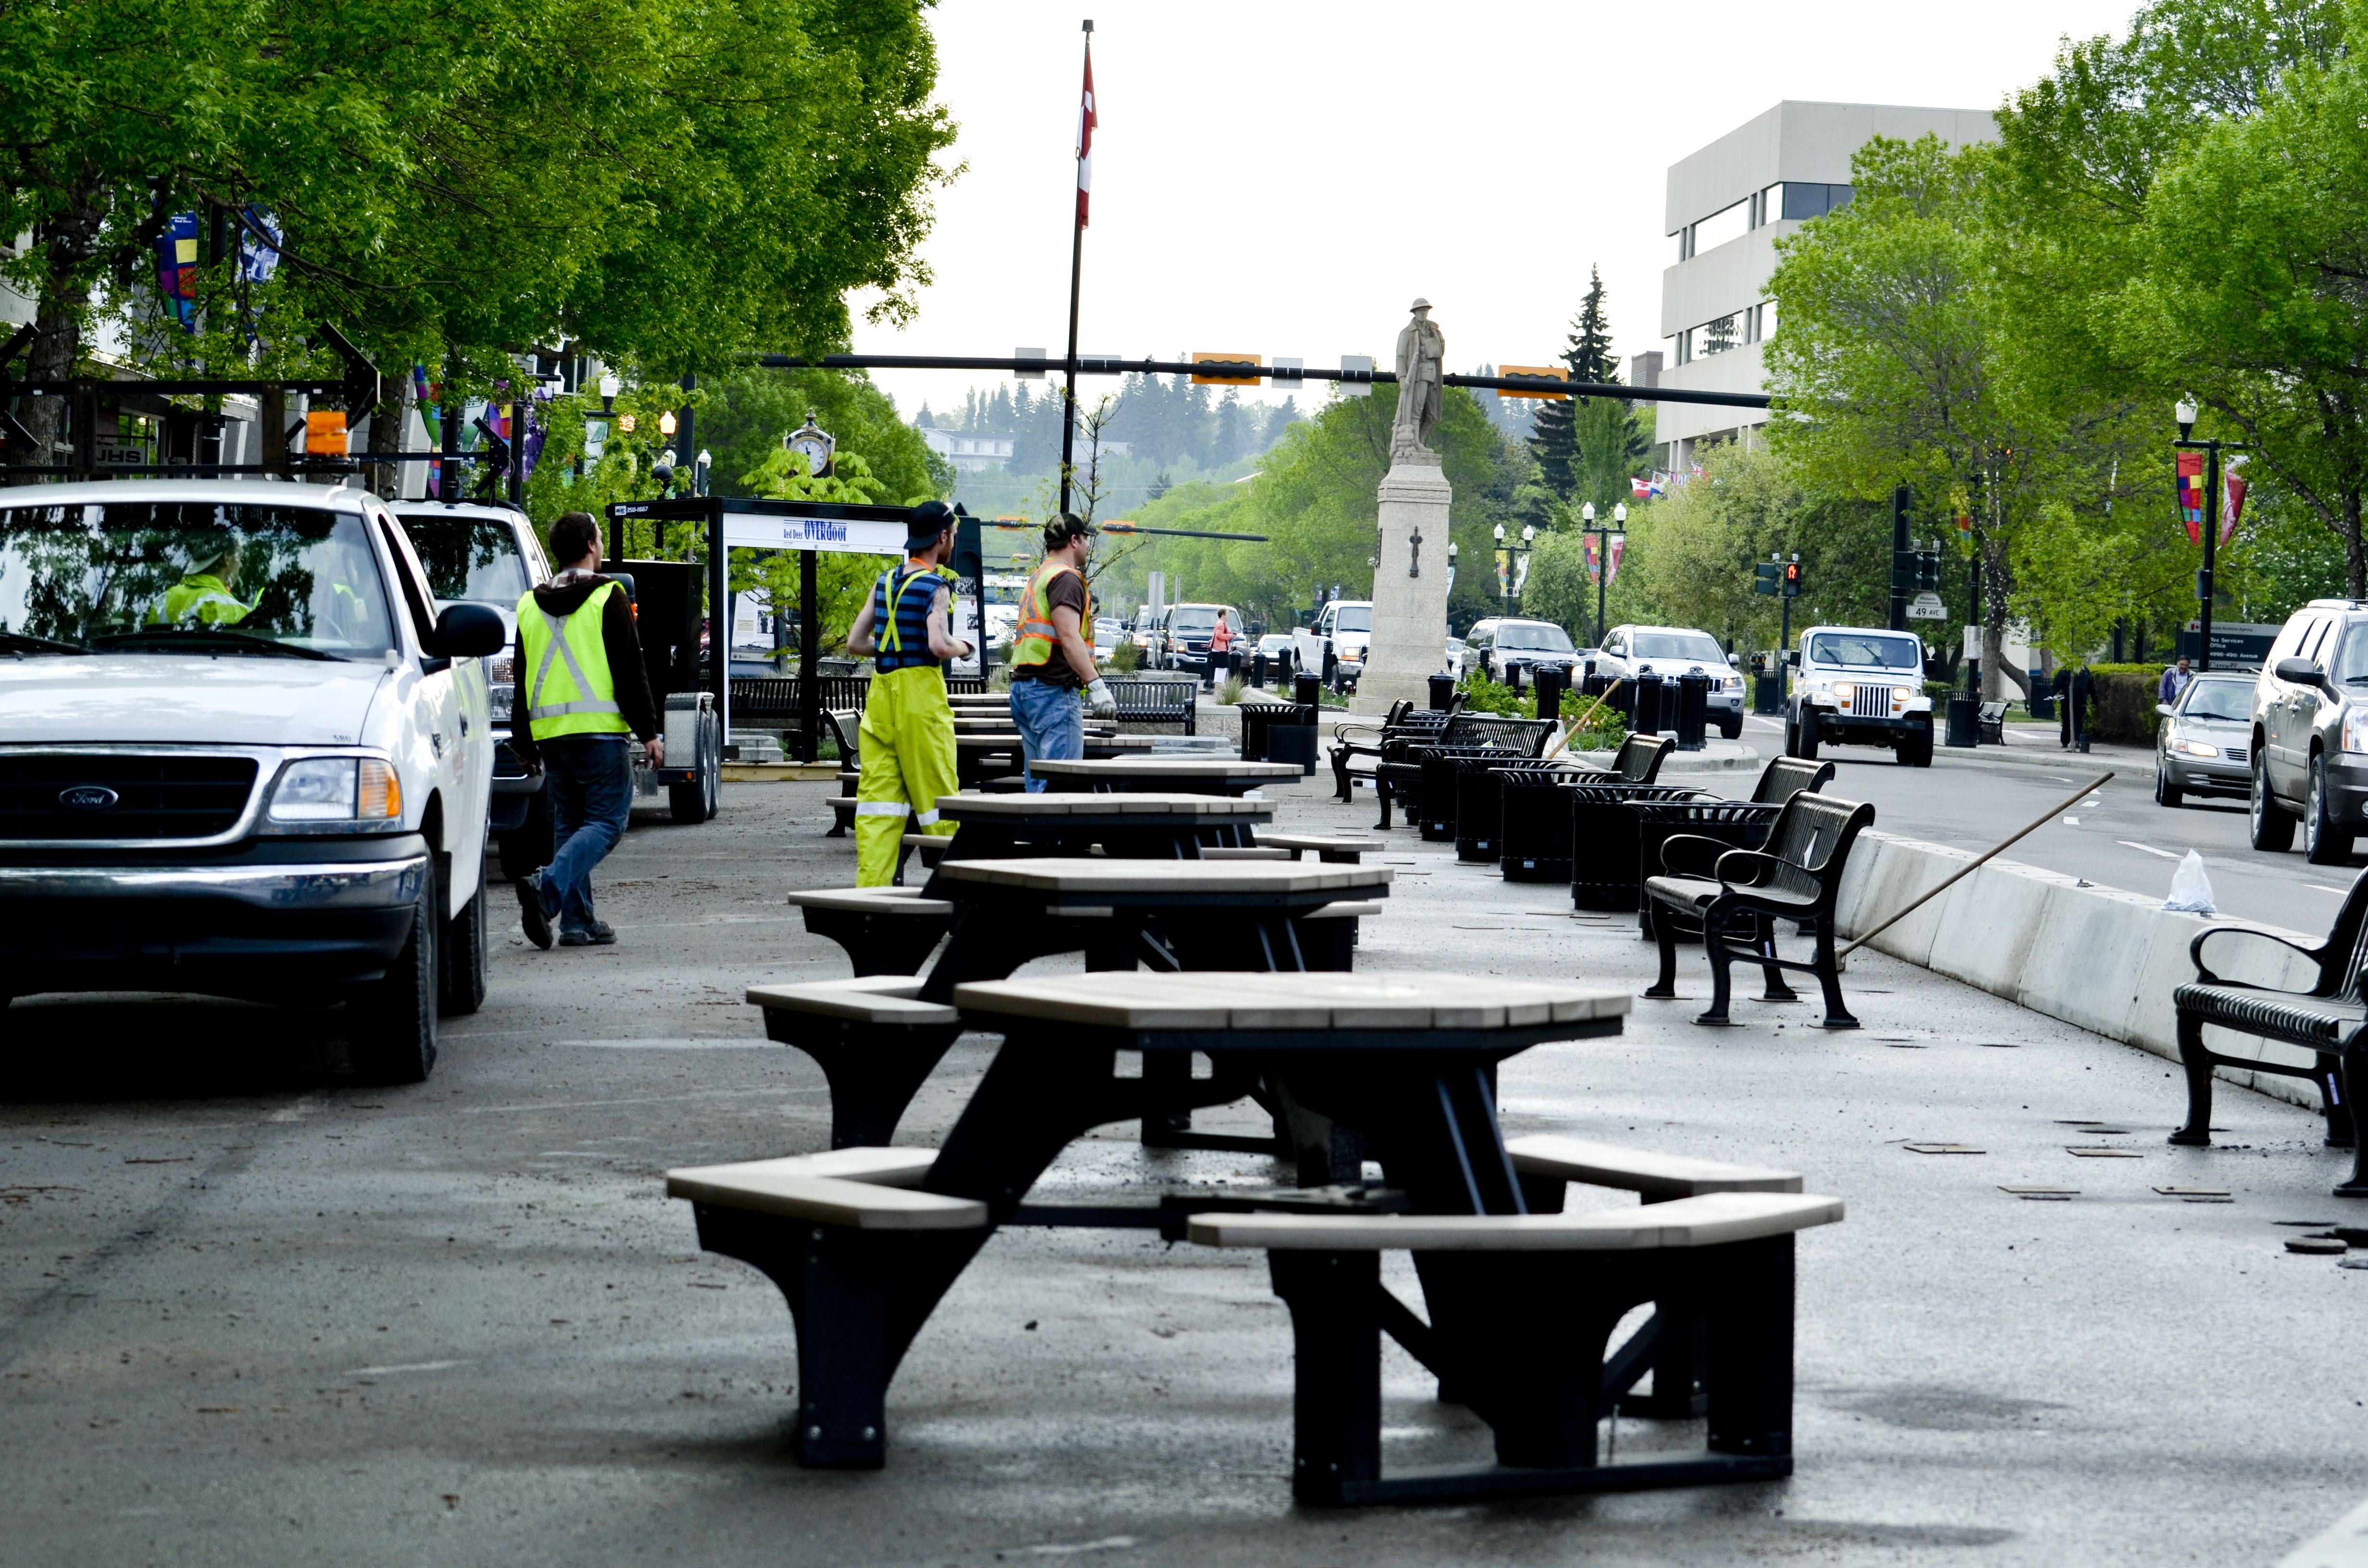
{"x":2166,"y":854}
{"x":406,"y":1366}
{"x":2344,"y":1544}
{"x":2321,"y":887}
{"x":709,"y":1042}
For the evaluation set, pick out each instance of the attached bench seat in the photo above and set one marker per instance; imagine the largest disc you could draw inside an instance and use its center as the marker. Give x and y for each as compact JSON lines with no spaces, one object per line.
{"x":1327,"y":934}
{"x":1523,"y":1307}
{"x":834,"y":1232}
{"x":875,"y":1040}
{"x":1246,"y":852}
{"x":1334,"y":851}
{"x":1739,"y":895}
{"x":884,"y":930}
{"x":1549,"y":1156}
{"x":931,"y":847}
{"x":2330,"y":1020}
{"x":867,"y":1188}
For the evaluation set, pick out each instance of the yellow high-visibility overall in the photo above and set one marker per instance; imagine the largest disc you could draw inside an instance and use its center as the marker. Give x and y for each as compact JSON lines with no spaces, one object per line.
{"x":907,"y":734}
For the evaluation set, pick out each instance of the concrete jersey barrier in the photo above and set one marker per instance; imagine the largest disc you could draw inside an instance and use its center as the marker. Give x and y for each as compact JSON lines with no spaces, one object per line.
{"x":2096,"y":957}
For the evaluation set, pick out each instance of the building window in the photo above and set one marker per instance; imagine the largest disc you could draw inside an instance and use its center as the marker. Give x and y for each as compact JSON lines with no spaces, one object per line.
{"x":1796,"y":199}
{"x":1727,"y":224}
{"x":1758,"y":322}
{"x":1713,"y":337}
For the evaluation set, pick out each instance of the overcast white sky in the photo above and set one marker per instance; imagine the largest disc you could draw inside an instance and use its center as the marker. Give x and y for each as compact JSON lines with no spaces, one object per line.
{"x":1283,"y":177}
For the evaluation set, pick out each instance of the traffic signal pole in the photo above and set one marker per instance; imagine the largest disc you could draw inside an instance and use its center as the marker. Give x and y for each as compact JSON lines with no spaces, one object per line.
{"x":1899,"y":558}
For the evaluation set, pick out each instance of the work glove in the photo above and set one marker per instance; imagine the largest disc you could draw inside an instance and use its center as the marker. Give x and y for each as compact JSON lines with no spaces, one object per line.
{"x":1099,"y":699}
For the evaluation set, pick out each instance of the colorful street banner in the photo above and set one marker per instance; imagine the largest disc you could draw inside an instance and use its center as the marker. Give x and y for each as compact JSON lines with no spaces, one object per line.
{"x":2232,"y":503}
{"x":2190,"y":495}
{"x":1594,"y":567}
{"x":1619,"y":548}
{"x":177,"y":267}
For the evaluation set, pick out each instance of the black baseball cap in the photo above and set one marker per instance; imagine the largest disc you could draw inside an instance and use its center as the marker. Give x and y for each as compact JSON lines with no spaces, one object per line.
{"x":1065,"y":527}
{"x":930,"y":520}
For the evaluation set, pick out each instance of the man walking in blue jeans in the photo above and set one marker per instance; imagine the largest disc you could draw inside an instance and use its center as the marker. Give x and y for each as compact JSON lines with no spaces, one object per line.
{"x":580,"y":690}
{"x":1052,"y":616}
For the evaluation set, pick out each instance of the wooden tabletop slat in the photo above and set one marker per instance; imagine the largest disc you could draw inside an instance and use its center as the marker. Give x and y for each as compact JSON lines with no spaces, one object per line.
{"x":977,"y":807}
{"x":1324,"y":1000}
{"x":1077,"y":874}
{"x":1181,"y":767}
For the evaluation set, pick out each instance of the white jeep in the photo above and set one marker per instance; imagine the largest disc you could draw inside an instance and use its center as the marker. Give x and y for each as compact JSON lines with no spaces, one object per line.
{"x":1860,"y":686}
{"x":242,"y":753}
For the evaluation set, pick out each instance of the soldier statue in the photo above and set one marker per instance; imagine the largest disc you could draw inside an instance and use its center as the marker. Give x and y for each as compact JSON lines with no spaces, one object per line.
{"x":1422,"y":353}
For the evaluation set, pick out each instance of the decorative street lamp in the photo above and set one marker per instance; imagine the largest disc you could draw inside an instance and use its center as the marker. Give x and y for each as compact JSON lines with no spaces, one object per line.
{"x":1603,"y":555}
{"x":2198,"y":464}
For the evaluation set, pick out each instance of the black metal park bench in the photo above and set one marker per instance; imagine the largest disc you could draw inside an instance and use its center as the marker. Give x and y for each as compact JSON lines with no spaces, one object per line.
{"x":1423,"y":773}
{"x":1403,"y":726}
{"x":1739,"y":895}
{"x":2330,"y":1020}
{"x":1742,"y":824}
{"x":1173,"y":702}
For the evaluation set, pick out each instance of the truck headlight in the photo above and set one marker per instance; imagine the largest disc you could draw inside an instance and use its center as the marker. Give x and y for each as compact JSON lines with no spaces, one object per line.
{"x":1841,"y":692}
{"x":2355,"y":729}
{"x":343,"y":790}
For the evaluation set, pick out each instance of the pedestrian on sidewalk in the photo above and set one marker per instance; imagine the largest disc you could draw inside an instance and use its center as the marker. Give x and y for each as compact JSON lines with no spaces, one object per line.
{"x":581,"y":687}
{"x":1220,"y":650}
{"x":907,"y":734}
{"x":2174,"y":681}
{"x":1044,"y":688}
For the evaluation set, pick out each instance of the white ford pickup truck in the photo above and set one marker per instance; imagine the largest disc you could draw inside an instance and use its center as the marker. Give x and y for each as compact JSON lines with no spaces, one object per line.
{"x":240,"y":754}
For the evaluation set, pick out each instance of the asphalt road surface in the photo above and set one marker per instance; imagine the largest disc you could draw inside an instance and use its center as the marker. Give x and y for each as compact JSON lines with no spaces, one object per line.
{"x":253,"y":1313}
{"x":2116,"y":836}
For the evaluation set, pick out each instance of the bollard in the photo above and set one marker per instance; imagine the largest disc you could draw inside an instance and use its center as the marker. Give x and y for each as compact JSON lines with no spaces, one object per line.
{"x":1513,"y":677}
{"x":1257,"y":669}
{"x":1305,"y":689}
{"x":1647,"y":720}
{"x":1443,"y":692}
{"x":1594,"y":684}
{"x":1550,"y":685}
{"x":1693,"y":705}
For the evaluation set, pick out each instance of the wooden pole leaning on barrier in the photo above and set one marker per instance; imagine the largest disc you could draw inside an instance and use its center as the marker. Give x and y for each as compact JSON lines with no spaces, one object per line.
{"x":1580,"y":722}
{"x":1955,"y":877}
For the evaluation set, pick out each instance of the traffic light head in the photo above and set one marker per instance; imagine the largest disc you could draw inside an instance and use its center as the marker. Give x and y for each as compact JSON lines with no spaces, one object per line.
{"x":1791,"y":579}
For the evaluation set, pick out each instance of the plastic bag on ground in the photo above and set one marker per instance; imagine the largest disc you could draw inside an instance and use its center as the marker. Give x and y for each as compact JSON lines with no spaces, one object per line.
{"x":2190,"y":889}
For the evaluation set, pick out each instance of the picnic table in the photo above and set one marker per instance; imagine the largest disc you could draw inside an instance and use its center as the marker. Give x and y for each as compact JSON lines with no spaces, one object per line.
{"x":998,"y":753}
{"x":1205,"y":776}
{"x":1134,"y":825}
{"x":1407,"y":1060}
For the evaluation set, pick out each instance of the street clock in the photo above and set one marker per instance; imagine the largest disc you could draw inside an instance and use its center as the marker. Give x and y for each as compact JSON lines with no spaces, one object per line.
{"x":811,"y":442}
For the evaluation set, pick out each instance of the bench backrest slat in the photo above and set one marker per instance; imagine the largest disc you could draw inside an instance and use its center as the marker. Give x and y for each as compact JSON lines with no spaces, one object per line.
{"x":1787,"y":777}
{"x":1811,"y":839}
{"x":1640,"y":757}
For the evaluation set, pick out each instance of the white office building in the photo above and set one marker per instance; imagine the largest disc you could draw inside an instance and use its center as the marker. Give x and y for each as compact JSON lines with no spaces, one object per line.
{"x":1729,"y":205}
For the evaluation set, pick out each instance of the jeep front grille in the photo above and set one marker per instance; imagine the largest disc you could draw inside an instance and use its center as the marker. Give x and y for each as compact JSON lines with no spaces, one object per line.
{"x":123,"y":795}
{"x":1870,"y":702}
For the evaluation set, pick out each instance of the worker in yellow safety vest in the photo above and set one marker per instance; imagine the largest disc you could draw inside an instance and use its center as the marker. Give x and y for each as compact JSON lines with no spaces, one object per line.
{"x":907,"y":734}
{"x":581,"y":687}
{"x":1056,"y":618}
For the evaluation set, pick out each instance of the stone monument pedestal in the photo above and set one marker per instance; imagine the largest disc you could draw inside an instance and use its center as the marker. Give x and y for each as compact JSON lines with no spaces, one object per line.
{"x":1410,"y":638}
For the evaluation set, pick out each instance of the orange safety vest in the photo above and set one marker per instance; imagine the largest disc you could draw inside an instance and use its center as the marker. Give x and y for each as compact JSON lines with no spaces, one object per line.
{"x":1038,"y":636}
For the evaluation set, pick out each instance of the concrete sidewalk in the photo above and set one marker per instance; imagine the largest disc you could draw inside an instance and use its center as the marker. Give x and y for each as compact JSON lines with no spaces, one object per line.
{"x":251,"y":1313}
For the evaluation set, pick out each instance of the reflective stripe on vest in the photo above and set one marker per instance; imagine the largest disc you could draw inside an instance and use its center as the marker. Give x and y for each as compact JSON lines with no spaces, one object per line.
{"x":1036,"y":635}
{"x":584,"y":699}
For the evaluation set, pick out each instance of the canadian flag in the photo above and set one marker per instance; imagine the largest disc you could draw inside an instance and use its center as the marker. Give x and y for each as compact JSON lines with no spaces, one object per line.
{"x":1086,"y":143}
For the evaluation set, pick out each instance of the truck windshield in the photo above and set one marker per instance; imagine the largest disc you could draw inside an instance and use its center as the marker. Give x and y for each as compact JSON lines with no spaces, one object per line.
{"x":1699,"y":646}
{"x":1541,"y":639}
{"x":1192,"y":620}
{"x":137,"y":577}
{"x":1866,"y":650}
{"x":470,"y":558}
{"x":1353,"y":618}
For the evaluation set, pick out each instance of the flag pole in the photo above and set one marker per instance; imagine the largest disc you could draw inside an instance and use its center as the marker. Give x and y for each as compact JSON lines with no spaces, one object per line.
{"x":1076,"y":268}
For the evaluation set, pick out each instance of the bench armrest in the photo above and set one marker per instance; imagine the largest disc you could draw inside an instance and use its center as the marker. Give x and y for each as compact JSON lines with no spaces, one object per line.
{"x":2327,"y":985}
{"x":1756,"y":862}
{"x":1699,"y":855}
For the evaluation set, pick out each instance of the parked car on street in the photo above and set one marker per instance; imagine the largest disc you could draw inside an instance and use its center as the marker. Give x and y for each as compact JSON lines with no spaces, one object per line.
{"x":1344,"y":629}
{"x":1670,"y":651}
{"x":1501,"y":644}
{"x":1456,"y":657}
{"x":2309,"y":733}
{"x":243,"y":754}
{"x":1276,"y":646}
{"x":2204,"y":745}
{"x":1860,"y":686}
{"x":1182,"y":640}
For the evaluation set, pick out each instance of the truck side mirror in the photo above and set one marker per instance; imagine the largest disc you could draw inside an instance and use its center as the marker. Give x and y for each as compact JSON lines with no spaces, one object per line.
{"x":2300,"y":672}
{"x":468,"y":631}
{"x":1793,"y":657}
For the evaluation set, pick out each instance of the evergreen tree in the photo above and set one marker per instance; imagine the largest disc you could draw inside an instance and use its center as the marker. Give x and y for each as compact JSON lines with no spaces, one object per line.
{"x":1230,"y":439}
{"x":925,"y":420}
{"x":1554,"y":429}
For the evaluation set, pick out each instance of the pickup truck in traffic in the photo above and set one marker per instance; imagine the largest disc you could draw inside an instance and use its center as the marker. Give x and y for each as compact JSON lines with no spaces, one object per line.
{"x":242,"y":753}
{"x":1343,"y":628}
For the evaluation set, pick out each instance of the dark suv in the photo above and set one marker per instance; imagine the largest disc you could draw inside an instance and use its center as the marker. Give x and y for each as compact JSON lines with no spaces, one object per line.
{"x":2310,"y":732}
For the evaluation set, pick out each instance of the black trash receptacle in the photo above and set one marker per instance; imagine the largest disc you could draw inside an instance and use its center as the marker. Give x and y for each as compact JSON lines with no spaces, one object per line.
{"x":1443,"y":692}
{"x":1305,"y":689}
{"x":1964,"y":722}
{"x":1693,"y":704}
{"x":1292,"y":743}
{"x":1768,"y":694}
{"x":1646,"y":718}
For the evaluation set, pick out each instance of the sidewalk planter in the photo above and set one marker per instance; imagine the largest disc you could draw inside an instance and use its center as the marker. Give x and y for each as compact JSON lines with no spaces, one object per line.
{"x":2098,"y":957}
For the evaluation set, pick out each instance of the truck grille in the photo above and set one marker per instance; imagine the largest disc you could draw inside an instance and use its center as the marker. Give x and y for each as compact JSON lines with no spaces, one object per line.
{"x":126,"y":795}
{"x":1870,"y":702}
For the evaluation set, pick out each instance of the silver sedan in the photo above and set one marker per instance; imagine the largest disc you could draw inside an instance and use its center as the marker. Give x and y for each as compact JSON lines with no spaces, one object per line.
{"x":2200,"y":746}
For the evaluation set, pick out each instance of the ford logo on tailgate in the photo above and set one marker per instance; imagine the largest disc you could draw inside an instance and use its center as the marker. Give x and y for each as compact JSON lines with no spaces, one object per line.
{"x":87,"y":798}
